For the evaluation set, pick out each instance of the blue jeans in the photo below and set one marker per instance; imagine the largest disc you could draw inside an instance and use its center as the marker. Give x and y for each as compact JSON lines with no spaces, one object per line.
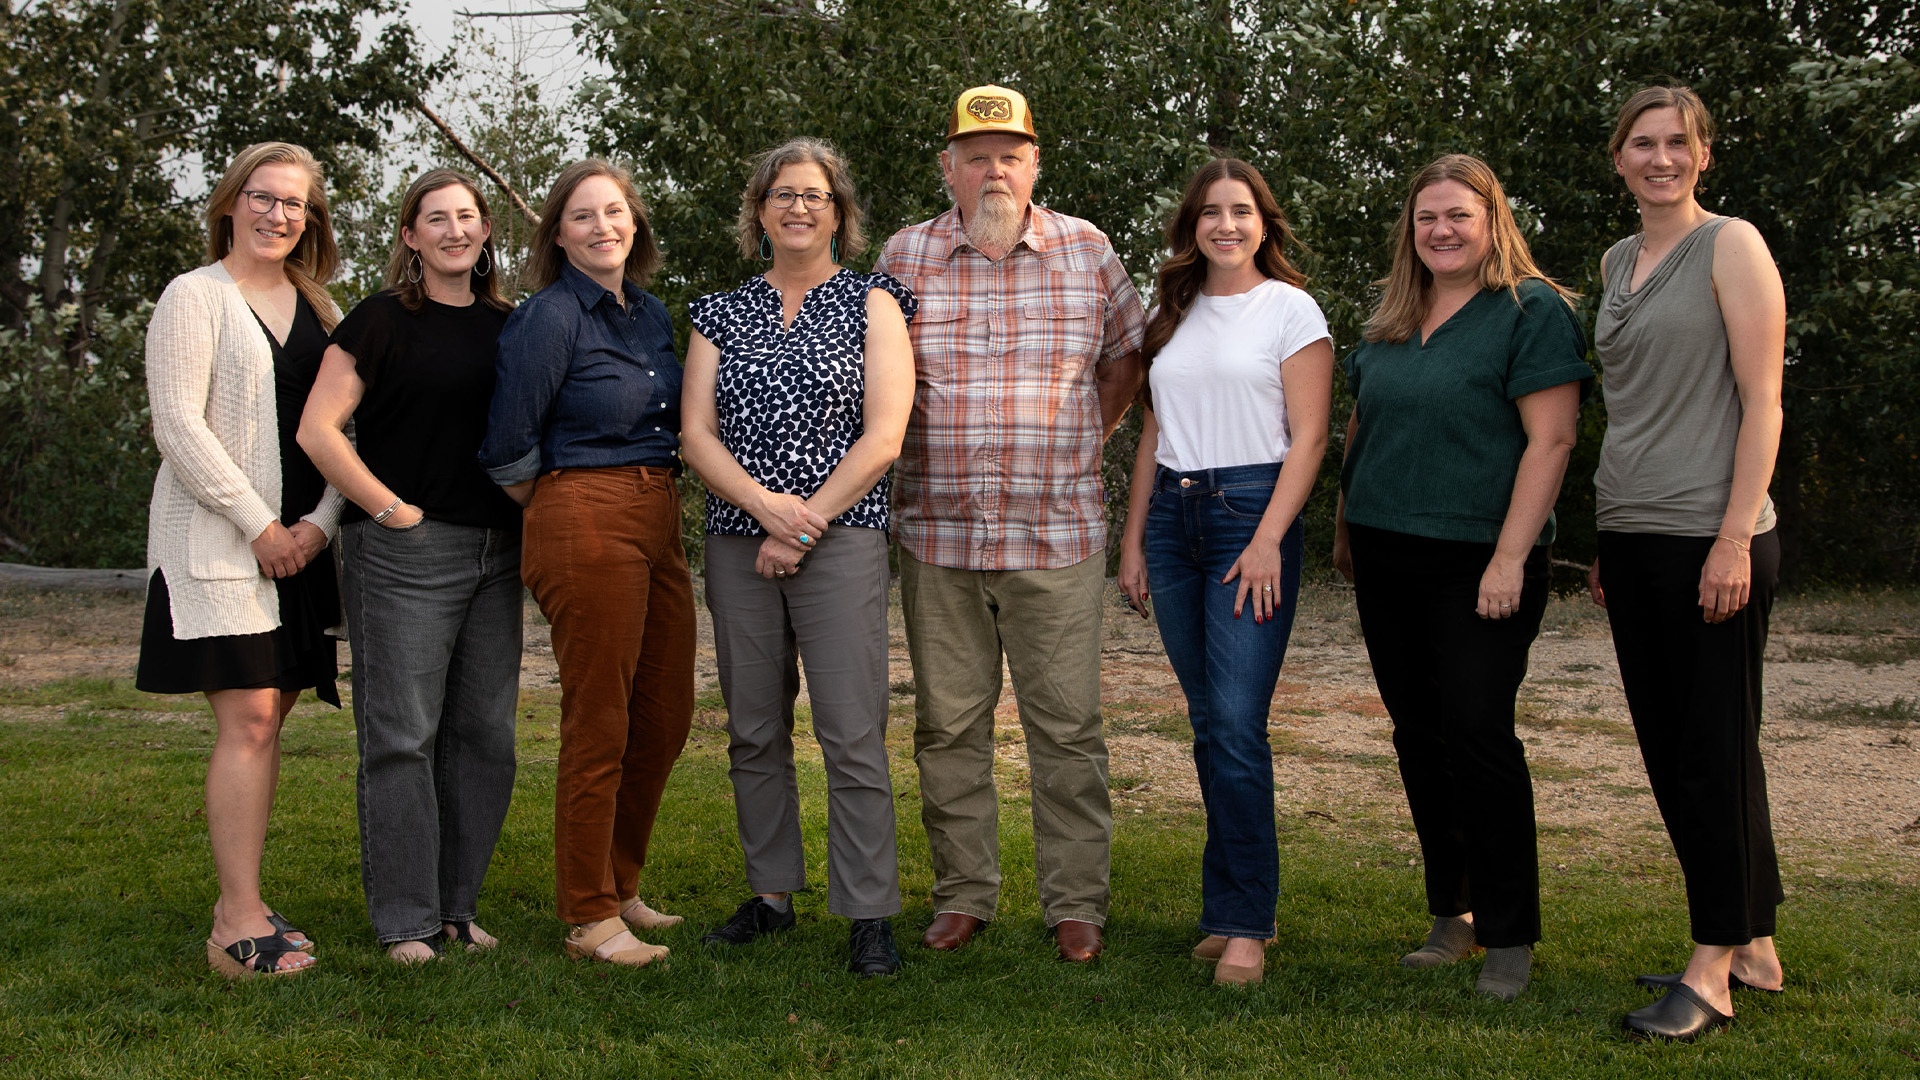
{"x":1227,"y":668}
{"x":433,"y":616}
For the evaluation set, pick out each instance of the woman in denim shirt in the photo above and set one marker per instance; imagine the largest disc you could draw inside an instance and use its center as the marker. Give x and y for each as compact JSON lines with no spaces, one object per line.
{"x":1240,"y":373}
{"x":583,"y":432}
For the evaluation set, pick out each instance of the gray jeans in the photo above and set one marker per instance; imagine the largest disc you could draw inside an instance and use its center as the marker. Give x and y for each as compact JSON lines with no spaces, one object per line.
{"x":433,"y":614}
{"x":832,"y":616}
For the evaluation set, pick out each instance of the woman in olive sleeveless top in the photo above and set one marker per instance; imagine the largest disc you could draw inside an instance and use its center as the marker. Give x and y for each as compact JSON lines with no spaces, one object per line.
{"x":1691,"y":336}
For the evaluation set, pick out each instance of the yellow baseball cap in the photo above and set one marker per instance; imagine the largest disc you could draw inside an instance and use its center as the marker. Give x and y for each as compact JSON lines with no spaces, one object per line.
{"x":985,"y":109}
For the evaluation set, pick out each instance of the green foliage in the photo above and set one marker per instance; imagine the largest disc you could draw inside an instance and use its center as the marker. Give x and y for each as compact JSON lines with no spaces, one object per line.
{"x":1338,"y":104}
{"x":118,"y":107}
{"x":77,"y":460}
{"x":115,"y":117}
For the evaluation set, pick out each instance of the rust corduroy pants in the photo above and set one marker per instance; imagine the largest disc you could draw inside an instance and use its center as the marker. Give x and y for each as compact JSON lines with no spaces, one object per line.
{"x":603,"y":558}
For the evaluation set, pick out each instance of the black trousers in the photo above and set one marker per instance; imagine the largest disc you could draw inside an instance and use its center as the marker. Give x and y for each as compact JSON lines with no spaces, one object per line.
{"x":1448,"y":679}
{"x":1694,"y":690}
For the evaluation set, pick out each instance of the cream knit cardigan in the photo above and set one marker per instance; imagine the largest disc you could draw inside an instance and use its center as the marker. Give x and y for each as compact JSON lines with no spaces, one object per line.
{"x":210,"y":387}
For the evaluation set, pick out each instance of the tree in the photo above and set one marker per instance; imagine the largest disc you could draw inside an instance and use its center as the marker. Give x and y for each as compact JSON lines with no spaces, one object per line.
{"x":118,"y":107}
{"x":1818,"y":103}
{"x":114,"y":116}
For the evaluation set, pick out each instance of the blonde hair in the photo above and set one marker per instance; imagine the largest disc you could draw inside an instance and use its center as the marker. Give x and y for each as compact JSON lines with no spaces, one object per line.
{"x":801,"y":151}
{"x":315,"y":257}
{"x":1405,"y":301}
{"x":413,"y":294}
{"x":544,"y":257}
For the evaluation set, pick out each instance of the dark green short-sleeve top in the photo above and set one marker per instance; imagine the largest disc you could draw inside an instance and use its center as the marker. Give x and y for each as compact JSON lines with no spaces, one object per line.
{"x":1440,"y":440}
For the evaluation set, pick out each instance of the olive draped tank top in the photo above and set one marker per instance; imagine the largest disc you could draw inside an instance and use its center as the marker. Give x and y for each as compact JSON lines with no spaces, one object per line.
{"x":1673,"y":410}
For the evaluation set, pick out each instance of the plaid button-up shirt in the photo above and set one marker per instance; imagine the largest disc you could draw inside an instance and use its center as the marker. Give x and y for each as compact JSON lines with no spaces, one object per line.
{"x":1001,"y":465}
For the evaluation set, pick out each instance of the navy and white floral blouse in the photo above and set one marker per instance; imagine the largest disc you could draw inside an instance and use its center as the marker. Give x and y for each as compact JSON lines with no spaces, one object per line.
{"x":790,"y":401}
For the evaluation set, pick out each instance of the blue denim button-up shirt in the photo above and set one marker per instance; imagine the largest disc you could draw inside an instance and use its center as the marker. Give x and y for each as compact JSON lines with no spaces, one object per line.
{"x":583,"y":383}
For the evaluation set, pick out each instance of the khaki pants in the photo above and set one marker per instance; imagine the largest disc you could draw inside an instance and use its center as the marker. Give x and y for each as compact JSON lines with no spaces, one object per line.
{"x":603,"y":559}
{"x":1047,"y":624}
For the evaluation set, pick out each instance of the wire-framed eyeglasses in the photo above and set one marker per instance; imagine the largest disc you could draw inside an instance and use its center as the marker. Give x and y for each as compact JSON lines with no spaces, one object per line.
{"x":261,"y":202}
{"x":782,"y":199}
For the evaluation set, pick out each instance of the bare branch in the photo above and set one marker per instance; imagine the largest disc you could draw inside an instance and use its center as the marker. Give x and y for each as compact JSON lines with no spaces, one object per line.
{"x":500,"y":181}
{"x":465,"y":14}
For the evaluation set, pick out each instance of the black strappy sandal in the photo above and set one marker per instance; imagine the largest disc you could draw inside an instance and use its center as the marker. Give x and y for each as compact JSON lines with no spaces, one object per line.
{"x":265,"y":952}
{"x":297,"y":937}
{"x":462,"y":934}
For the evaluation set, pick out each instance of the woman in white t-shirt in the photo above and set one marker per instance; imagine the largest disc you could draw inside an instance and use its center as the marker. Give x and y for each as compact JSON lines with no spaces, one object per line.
{"x":1239,"y":381}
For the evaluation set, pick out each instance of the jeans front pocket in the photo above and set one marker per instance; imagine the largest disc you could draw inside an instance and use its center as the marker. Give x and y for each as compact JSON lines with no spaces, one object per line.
{"x":1244,"y":502}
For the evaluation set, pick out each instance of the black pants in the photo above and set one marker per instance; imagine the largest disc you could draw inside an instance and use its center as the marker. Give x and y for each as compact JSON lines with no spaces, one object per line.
{"x":1694,"y":689}
{"x":1448,"y":679}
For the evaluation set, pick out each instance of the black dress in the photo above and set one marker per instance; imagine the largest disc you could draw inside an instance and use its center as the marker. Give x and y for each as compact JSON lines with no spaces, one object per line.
{"x":297,"y":654}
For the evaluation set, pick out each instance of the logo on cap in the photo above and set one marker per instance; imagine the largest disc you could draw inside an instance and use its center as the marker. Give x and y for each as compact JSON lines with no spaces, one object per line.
{"x":990,"y":109}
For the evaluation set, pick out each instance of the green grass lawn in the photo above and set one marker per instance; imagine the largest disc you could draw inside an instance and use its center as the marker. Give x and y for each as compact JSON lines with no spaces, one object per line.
{"x":106,"y":887}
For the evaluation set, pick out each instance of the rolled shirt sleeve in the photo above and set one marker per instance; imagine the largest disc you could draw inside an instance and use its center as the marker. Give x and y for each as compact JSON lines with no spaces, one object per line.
{"x":536,"y":351}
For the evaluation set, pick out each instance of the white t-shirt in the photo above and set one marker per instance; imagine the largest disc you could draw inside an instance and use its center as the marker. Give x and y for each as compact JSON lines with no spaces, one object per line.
{"x":1216,"y":383}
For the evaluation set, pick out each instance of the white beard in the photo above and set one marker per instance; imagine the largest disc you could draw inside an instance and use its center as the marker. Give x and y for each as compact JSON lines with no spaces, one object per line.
{"x":996,"y":223}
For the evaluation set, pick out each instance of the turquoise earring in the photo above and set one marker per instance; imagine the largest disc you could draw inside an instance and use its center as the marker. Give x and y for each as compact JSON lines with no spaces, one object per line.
{"x":766,"y":248}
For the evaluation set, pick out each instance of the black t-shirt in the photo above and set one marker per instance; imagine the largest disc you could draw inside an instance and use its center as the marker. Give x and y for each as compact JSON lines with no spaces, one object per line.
{"x":429,"y":382}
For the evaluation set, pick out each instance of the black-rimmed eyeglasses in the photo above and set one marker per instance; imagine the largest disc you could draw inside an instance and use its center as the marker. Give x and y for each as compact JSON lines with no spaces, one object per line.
{"x":261,"y":202}
{"x":782,"y":199}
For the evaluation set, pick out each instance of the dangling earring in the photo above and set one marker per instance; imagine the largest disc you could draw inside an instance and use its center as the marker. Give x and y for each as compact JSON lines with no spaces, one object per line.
{"x":833,"y":249}
{"x":766,"y":248}
{"x":414,"y":272}
{"x":485,"y":265}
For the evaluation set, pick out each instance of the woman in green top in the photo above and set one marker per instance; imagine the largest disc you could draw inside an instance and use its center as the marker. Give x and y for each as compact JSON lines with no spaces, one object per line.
{"x":1466,"y":391}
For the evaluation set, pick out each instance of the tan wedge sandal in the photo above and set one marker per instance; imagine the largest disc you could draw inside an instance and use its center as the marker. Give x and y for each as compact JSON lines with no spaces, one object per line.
{"x":585,"y":939}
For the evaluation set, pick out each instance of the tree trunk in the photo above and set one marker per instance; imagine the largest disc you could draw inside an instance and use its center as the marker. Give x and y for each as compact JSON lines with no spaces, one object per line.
{"x":1223,"y":113}
{"x":53,"y":259}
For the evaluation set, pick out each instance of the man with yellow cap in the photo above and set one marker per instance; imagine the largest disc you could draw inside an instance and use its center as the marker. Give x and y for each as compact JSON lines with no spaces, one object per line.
{"x":1026,"y":353}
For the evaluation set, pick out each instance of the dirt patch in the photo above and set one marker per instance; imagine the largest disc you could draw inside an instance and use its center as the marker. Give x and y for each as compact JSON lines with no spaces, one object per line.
{"x":1843,"y":717}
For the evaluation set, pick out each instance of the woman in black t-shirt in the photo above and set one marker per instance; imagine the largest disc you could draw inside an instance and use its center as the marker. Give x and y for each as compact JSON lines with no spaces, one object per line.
{"x":432,"y":583}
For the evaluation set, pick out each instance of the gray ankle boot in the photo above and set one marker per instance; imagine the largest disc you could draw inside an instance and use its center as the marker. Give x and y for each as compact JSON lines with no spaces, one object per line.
{"x":1450,"y":940}
{"x":1506,"y":972}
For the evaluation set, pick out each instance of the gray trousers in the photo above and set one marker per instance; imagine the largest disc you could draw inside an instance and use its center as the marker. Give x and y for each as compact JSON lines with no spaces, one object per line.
{"x":433,"y":613}
{"x":1047,"y":623}
{"x":830,"y":615}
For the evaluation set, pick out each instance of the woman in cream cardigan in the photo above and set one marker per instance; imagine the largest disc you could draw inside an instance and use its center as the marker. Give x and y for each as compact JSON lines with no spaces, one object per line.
{"x":241,"y":592}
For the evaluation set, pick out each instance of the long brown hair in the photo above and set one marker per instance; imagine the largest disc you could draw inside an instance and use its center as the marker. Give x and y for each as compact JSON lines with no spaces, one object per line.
{"x":544,"y":257}
{"x":801,"y":151}
{"x":315,"y":257}
{"x":1184,"y":270}
{"x":1406,"y":298}
{"x":413,"y":294}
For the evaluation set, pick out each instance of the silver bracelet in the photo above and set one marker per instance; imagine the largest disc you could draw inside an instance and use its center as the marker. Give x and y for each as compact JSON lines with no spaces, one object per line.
{"x":381,"y":517}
